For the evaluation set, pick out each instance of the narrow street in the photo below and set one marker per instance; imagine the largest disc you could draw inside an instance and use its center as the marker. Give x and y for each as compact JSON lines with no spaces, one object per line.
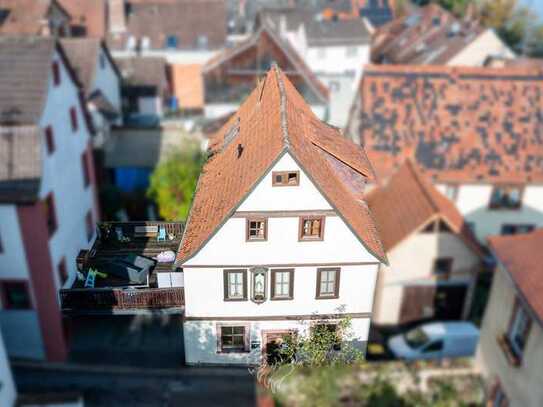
{"x":139,"y":387}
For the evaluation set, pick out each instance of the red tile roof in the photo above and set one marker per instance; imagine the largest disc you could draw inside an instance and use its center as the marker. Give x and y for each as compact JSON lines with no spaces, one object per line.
{"x":521,"y":255}
{"x":28,"y":17}
{"x":277,"y":113}
{"x":408,"y":202}
{"x":87,"y":14}
{"x":458,"y":124}
{"x":428,"y":35}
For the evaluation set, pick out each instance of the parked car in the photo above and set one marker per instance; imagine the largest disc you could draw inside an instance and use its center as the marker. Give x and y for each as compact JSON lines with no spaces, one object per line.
{"x":436,"y":340}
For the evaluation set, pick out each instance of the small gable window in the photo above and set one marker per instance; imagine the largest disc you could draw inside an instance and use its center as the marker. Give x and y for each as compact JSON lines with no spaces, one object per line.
{"x":438,"y":226}
{"x":311,"y":228}
{"x":285,"y":178}
{"x":442,"y":268}
{"x":506,"y":197}
{"x":515,"y":229}
{"x":56,"y":73}
{"x":257,"y":230}
{"x":49,"y":140}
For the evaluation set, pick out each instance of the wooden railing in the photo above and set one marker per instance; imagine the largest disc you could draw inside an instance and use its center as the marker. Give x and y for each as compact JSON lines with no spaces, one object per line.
{"x":114,"y":299}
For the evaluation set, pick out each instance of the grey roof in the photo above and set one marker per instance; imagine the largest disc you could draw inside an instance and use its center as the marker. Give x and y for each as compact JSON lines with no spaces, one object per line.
{"x":83,"y":55}
{"x":20,"y":163}
{"x":24,"y":73}
{"x":341,"y":32}
{"x":143,"y":71}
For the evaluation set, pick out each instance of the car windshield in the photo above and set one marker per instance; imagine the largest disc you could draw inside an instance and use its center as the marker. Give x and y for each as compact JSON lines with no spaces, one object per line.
{"x":416,"y":338}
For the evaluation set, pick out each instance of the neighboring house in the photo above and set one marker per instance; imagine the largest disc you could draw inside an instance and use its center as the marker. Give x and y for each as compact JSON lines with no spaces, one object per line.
{"x":188,"y":88}
{"x":434,"y":258}
{"x":141,"y":26}
{"x":510,"y":353}
{"x":476,"y":132}
{"x":378,"y":12}
{"x":432,"y":36}
{"x":230,"y":77}
{"x":8,"y":393}
{"x":48,"y":199}
{"x":327,"y":46}
{"x":88,"y":17}
{"x":278,"y":237}
{"x":34,"y":17}
{"x":145,"y":90}
{"x":101,"y":83}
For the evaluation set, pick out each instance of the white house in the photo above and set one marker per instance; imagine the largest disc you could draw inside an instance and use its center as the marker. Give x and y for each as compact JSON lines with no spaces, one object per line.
{"x":48,"y":200}
{"x":8,"y":393}
{"x":510,"y":353}
{"x":474,"y":131}
{"x":100,"y":80}
{"x":434,"y":258}
{"x":278,"y":237}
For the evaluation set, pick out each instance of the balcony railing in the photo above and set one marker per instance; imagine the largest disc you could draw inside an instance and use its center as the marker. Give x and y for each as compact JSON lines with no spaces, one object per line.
{"x":114,"y":299}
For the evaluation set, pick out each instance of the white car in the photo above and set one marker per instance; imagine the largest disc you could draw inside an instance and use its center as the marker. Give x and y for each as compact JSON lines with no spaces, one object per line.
{"x":436,"y":340}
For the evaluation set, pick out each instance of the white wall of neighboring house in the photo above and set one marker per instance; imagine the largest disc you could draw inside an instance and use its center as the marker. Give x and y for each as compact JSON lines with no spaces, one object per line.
{"x":22,"y":335}
{"x":473,"y":201}
{"x":63,"y":173}
{"x":486,"y":45}
{"x":337,"y":59}
{"x":8,"y":394}
{"x":412,"y":262}
{"x":521,"y":384}
{"x":150,"y":105}
{"x":107,"y":81}
{"x":204,"y":285}
{"x":216,"y":110}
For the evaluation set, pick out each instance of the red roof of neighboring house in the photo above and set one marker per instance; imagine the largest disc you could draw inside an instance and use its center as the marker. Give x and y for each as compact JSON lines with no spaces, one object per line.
{"x":521,"y":256}
{"x":460,"y":124}
{"x":428,"y":35}
{"x":87,"y":14}
{"x":188,"y":85}
{"x":277,"y":113}
{"x":27,"y":17}
{"x":409,"y":202}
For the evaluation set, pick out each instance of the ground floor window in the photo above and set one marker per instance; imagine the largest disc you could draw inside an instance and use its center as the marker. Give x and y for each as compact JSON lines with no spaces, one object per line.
{"x":233,"y":338}
{"x":15,"y":295}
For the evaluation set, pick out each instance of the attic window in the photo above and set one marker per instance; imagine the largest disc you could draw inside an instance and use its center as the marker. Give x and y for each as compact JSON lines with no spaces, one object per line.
{"x":285,"y":178}
{"x":231,"y":133}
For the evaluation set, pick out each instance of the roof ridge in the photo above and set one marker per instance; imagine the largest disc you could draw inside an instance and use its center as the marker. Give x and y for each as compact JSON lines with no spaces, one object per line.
{"x":282,"y":105}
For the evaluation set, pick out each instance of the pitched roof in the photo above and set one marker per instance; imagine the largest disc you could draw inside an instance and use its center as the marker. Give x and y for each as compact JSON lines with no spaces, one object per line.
{"x":268,"y":29}
{"x":428,"y":35}
{"x":277,"y":113}
{"x":459,"y":124}
{"x":26,"y":17}
{"x":521,"y":255}
{"x":188,"y":85}
{"x":88,"y":16}
{"x":420,"y":202}
{"x":148,"y":71}
{"x":188,"y":20}
{"x":341,"y":32}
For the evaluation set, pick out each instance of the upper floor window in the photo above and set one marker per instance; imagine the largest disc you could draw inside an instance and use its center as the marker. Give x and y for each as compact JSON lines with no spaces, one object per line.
{"x":285,"y":178}
{"x":442,"y":268}
{"x":515,"y":229}
{"x":259,"y":277}
{"x":257,"y":229}
{"x":233,"y":338}
{"x":49,"y":140}
{"x":171,"y":41}
{"x":282,"y":284}
{"x":506,"y":197}
{"x":311,"y":228}
{"x":327,"y":283}
{"x":519,"y":329}
{"x":50,"y":214}
{"x":235,"y":285}
{"x":73,"y":119}
{"x":85,"y":168}
{"x":15,"y":295}
{"x":56,"y":73}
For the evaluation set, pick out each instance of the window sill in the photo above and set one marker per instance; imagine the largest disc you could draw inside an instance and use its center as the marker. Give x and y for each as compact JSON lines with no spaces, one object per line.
{"x":235,"y":299}
{"x":505,"y":346}
{"x":281,"y":298}
{"x":327,"y":297}
{"x":311,"y":239}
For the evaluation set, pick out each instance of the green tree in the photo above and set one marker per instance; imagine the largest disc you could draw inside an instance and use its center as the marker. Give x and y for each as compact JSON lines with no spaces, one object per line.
{"x":173,"y":183}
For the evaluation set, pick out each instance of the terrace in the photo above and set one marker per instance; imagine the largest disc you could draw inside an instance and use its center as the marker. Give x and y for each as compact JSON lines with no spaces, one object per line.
{"x":129,"y":269}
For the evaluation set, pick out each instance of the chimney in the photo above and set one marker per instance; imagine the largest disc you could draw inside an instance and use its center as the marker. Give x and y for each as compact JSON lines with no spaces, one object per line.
{"x":116,"y":16}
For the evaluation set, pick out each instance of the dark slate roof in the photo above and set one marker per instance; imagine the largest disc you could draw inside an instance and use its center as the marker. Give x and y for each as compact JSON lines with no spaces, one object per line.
{"x":20,"y":163}
{"x":143,"y":71}
{"x":187,"y":20}
{"x":341,"y":32}
{"x":459,"y":124}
